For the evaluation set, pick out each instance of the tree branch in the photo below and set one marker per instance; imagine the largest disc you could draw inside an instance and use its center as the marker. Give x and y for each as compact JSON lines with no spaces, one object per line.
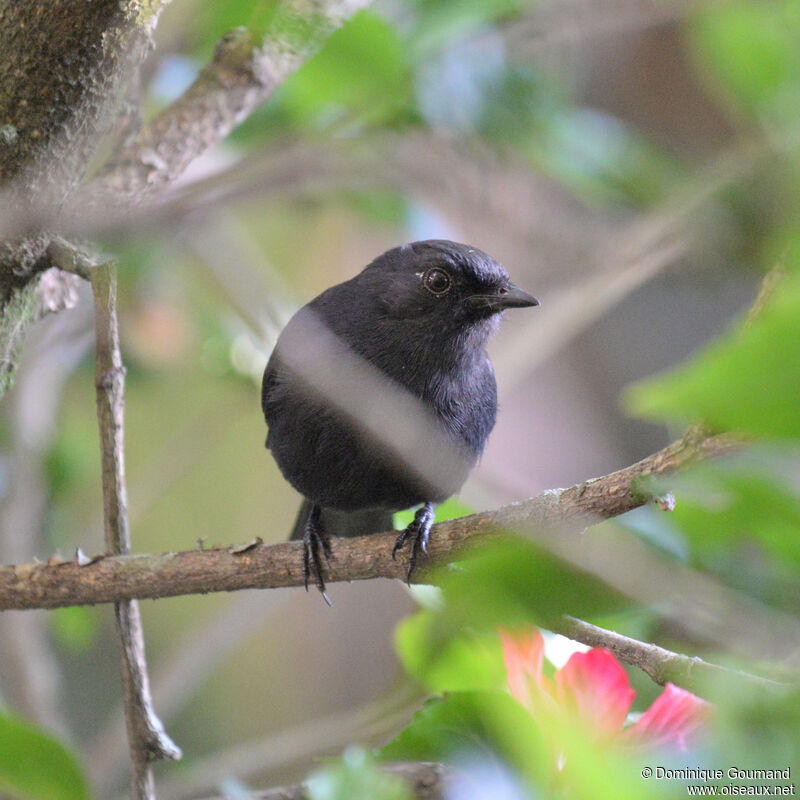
{"x":146,"y":735}
{"x":256,"y":565}
{"x":425,"y":779}
{"x":57,"y":114}
{"x":242,"y":75}
{"x":109,"y":578}
{"x":63,"y":67}
{"x":660,"y":664}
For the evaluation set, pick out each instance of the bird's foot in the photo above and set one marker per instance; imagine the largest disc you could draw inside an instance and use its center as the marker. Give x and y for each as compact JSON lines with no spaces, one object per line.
{"x":315,"y":538}
{"x":419,"y":532}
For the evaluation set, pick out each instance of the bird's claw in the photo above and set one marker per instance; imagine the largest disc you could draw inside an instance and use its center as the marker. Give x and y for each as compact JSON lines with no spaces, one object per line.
{"x":418,"y":531}
{"x":401,"y":540}
{"x":316,"y":538}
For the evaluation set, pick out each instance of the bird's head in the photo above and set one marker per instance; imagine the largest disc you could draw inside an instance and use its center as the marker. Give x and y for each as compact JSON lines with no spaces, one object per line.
{"x":452,"y":285}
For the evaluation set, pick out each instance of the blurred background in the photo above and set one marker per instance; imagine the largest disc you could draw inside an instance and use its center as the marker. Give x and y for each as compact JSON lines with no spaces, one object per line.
{"x":630,"y":162}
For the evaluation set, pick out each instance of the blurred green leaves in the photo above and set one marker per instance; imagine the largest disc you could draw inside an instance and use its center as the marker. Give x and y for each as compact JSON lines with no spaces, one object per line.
{"x":446,"y":66}
{"x":474,"y":725}
{"x":437,"y":23}
{"x":34,"y":766}
{"x":743,"y":499}
{"x":751,"y":48}
{"x":757,"y":728}
{"x":747,"y":381}
{"x":507,"y":584}
{"x":362,"y":70}
{"x":491,"y":738}
{"x":356,"y":776}
{"x":512,"y":581}
{"x":75,"y":628}
{"x":464,"y":662}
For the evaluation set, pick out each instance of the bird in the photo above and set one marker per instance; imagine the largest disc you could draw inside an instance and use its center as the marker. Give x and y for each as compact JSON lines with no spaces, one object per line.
{"x":379,"y":394}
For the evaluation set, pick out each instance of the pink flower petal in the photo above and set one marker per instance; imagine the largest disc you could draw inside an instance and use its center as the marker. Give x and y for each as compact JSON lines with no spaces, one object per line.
{"x":672,"y":719}
{"x":523,"y":654}
{"x":596,"y":686}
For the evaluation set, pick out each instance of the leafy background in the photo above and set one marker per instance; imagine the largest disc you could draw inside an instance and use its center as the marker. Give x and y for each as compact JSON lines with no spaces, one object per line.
{"x":636,"y":166}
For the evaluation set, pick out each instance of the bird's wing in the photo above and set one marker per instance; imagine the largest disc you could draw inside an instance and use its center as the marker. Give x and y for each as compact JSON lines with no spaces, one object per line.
{"x":268,"y":384}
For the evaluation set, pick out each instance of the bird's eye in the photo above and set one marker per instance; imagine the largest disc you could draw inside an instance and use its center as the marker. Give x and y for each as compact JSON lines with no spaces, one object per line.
{"x":437,"y":281}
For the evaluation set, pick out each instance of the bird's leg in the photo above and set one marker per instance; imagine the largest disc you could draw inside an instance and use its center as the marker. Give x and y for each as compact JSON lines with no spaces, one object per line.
{"x":315,"y":537}
{"x":419,"y":532}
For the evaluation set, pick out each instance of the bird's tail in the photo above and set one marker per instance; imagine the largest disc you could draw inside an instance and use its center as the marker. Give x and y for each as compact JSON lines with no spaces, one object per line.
{"x":344,"y":523}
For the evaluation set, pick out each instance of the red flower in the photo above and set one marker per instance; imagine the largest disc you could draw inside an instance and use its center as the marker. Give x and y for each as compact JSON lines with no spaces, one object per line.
{"x":595,"y":687}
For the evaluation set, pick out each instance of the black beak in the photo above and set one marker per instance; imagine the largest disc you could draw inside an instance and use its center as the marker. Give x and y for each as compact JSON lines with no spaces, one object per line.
{"x":509,"y":296}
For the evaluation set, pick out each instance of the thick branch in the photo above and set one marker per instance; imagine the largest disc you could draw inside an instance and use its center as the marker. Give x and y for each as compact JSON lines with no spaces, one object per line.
{"x":45,"y":148}
{"x":241,"y":76}
{"x":63,"y":66}
{"x":108,"y":578}
{"x":146,"y":735}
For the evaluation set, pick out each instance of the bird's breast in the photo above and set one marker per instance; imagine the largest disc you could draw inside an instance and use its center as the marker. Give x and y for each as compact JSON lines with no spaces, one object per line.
{"x":466,"y":403}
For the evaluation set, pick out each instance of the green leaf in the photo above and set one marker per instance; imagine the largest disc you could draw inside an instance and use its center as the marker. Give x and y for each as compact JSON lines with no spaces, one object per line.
{"x":379,"y":206}
{"x":554,"y":756}
{"x":755,"y":727}
{"x":468,"y":661}
{"x":439,"y":23}
{"x":508,"y":583}
{"x":512,"y":581}
{"x":76,"y":628}
{"x":752,"y":49}
{"x":362,"y":68}
{"x":740,"y":517}
{"x":485,"y":725}
{"x":747,"y":381}
{"x":356,"y":776}
{"x":34,"y":766}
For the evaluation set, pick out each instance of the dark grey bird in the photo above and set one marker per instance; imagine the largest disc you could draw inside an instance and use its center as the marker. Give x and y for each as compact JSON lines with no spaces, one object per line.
{"x":380,"y":396}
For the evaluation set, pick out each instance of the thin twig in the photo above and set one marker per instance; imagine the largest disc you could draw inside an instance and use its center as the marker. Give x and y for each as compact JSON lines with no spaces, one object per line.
{"x":146,"y":736}
{"x":71,"y":258}
{"x":660,"y":664}
{"x":176,"y":680}
{"x":769,"y":283}
{"x":108,"y":578}
{"x":425,"y":779}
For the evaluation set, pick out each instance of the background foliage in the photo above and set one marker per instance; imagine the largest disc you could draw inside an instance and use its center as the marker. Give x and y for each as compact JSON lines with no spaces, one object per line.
{"x":637,"y":168}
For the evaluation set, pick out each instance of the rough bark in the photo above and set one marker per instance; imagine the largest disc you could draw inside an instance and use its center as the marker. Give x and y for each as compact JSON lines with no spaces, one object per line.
{"x":73,"y":68}
{"x":108,"y":578}
{"x":63,"y":66}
